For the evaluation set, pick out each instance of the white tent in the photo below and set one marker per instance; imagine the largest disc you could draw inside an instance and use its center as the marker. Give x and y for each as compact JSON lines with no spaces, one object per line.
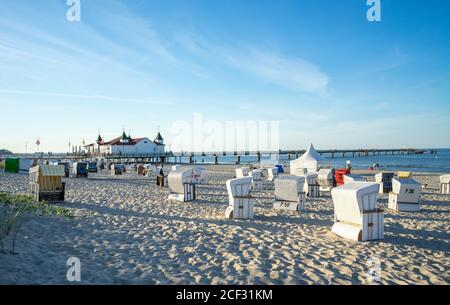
{"x":311,"y":160}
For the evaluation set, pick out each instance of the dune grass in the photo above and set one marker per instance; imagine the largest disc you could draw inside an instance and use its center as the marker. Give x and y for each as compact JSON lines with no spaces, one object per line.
{"x":14,"y":206}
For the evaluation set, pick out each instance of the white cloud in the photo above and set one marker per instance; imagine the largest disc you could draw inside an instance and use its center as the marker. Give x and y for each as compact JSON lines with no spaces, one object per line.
{"x":290,"y":72}
{"x":293,"y":73}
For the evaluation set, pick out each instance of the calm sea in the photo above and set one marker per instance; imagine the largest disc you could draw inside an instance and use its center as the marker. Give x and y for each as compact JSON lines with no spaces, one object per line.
{"x":436,"y":163}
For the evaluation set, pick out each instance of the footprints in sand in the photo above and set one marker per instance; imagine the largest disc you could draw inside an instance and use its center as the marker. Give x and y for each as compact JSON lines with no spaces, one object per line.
{"x":130,"y":234}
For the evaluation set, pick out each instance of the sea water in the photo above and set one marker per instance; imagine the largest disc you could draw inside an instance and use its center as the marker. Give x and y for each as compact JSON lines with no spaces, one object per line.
{"x":432,"y":163}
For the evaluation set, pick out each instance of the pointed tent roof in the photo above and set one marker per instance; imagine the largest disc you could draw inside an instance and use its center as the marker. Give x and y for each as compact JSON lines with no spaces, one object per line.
{"x":311,"y":160}
{"x":312,"y":154}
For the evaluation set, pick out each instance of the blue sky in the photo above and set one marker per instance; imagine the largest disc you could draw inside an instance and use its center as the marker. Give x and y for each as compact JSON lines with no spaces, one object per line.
{"x":318,"y":67}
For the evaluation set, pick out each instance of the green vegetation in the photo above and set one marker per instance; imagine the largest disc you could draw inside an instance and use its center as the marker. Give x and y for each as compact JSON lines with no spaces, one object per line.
{"x":14,"y":207}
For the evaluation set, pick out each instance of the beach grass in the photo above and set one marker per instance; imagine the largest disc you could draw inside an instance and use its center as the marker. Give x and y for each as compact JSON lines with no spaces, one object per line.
{"x":15,"y":206}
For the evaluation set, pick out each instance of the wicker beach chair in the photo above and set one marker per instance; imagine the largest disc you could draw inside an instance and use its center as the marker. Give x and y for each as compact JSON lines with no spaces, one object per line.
{"x":117,"y":169}
{"x":325,"y":177}
{"x":257,"y":176}
{"x":242,"y":172}
{"x":240,"y":200}
{"x":140,"y":169}
{"x":445,"y":184}
{"x":272,"y":173}
{"x":385,"y":182}
{"x":181,"y":186}
{"x":357,"y":215}
{"x":311,"y":187}
{"x":79,"y":169}
{"x":405,"y":195}
{"x":199,"y":175}
{"x":45,"y":183}
{"x":289,"y":193}
{"x":404,"y":175}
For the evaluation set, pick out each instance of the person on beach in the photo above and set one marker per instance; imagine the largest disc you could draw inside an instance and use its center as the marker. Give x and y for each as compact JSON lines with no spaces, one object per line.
{"x":348,"y":165}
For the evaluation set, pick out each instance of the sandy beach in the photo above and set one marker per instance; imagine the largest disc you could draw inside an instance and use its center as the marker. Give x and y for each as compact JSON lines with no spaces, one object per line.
{"x":127,"y":232}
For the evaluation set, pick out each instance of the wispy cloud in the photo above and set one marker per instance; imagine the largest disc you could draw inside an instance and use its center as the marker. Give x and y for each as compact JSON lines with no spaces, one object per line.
{"x":293,"y":73}
{"x":96,"y":97}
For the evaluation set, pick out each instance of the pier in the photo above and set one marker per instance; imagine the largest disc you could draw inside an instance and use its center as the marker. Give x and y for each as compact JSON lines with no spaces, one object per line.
{"x":191,"y":157}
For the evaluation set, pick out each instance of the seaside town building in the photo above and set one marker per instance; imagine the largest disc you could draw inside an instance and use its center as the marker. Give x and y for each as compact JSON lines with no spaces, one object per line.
{"x":126,"y":145}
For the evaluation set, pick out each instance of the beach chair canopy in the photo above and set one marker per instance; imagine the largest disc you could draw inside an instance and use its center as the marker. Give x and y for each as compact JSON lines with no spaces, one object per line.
{"x":382,"y":177}
{"x":239,"y":187}
{"x":242,"y":172}
{"x":273,"y":171}
{"x":178,"y":178}
{"x":311,"y":160}
{"x":407,"y":189}
{"x":404,"y":175}
{"x":310,"y":178}
{"x":256,"y":174}
{"x":199,"y":171}
{"x":352,"y":200}
{"x":49,"y":170}
{"x":326,"y":173}
{"x":287,"y":188}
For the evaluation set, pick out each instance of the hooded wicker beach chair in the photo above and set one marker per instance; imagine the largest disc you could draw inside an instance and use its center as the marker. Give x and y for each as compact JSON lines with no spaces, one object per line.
{"x":357,"y":214}
{"x":405,"y":195}
{"x":240,"y":200}
{"x":45,"y":183}
{"x":289,"y":193}
{"x":181,"y":186}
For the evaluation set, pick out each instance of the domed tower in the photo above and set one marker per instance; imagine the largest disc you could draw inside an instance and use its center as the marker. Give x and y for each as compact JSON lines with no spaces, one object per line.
{"x":124,"y":139}
{"x":99,"y":140}
{"x":159,"y":139}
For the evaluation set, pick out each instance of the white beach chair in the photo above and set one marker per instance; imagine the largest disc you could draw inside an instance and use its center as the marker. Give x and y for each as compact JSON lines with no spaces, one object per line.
{"x":385,"y":182}
{"x":405,"y":195}
{"x":357,"y":216}
{"x":445,"y":184}
{"x":311,"y":187}
{"x":325,"y":177}
{"x":198,"y":175}
{"x":256,"y":175}
{"x":272,"y":173}
{"x":117,"y":169}
{"x":289,"y":193}
{"x":79,"y":169}
{"x":242,"y":172}
{"x":181,"y":186}
{"x":264,"y":171}
{"x":350,"y":178}
{"x":240,"y":201}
